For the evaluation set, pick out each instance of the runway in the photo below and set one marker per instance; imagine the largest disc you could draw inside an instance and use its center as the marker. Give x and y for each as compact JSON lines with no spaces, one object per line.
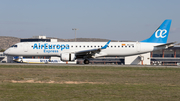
{"x":98,"y":65}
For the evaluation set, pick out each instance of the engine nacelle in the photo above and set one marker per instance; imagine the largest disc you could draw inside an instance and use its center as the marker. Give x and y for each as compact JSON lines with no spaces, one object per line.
{"x":68,"y":57}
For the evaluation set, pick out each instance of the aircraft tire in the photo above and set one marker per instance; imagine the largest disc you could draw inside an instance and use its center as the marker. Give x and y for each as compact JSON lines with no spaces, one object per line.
{"x":86,"y":61}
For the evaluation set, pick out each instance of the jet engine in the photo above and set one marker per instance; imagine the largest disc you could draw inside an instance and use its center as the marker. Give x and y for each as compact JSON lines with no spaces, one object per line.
{"x":68,"y":57}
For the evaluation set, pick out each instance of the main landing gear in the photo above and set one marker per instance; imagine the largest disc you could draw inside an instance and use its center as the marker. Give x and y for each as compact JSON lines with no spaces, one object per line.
{"x":86,"y":61}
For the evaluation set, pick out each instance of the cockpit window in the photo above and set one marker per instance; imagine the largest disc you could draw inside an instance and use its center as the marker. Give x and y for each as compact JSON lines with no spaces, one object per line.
{"x":14,"y":46}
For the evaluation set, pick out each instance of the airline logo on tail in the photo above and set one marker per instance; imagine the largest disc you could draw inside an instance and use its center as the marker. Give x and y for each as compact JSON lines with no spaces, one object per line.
{"x":160,"y":33}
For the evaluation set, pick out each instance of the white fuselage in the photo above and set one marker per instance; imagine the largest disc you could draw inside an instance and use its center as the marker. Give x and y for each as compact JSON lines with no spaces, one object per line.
{"x":57,"y":48}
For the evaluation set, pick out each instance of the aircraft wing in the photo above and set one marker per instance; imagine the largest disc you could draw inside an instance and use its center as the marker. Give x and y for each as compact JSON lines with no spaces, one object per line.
{"x":92,"y":51}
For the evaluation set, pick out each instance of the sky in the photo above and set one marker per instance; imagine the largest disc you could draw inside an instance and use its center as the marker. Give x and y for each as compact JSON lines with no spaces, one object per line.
{"x":133,"y":20}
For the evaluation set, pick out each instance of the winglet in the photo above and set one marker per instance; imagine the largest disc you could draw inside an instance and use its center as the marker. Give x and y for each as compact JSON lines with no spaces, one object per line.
{"x":106,"y":45}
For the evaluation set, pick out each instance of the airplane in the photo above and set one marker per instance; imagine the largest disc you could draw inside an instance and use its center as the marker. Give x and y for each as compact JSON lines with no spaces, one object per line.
{"x":70,"y":51}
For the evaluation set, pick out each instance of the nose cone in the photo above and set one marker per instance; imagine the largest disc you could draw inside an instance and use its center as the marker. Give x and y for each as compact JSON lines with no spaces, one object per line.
{"x":6,"y":52}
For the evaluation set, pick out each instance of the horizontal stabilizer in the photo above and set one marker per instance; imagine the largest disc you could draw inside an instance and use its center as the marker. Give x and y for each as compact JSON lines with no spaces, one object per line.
{"x":167,"y":45}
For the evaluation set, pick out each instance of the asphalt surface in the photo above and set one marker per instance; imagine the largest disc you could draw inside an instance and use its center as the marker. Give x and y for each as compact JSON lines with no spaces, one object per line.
{"x":112,"y":65}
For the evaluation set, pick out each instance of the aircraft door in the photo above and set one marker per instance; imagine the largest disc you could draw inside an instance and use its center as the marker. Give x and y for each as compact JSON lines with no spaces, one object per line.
{"x":25,"y":47}
{"x":138,"y":47}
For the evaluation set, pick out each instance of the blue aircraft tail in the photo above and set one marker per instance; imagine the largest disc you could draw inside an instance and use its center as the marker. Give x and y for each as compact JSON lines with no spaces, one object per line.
{"x":161,"y":34}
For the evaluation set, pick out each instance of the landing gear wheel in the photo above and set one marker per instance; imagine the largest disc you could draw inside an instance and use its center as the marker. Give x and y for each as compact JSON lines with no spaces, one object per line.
{"x":86,"y":61}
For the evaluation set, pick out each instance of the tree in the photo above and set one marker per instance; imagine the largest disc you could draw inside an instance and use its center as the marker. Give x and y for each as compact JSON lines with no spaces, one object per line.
{"x":2,"y":50}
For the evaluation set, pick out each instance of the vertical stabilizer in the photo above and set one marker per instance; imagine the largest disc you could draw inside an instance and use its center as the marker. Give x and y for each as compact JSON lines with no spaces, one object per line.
{"x":161,"y":34}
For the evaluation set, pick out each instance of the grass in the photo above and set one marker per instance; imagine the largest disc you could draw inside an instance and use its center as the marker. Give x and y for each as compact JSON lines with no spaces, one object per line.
{"x":89,"y":83}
